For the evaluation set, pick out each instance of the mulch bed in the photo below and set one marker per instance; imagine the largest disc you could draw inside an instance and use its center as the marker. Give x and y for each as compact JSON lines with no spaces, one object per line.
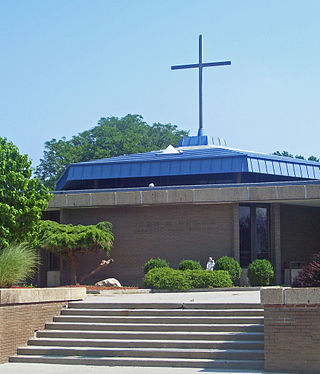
{"x":98,"y":288}
{"x":89,"y":288}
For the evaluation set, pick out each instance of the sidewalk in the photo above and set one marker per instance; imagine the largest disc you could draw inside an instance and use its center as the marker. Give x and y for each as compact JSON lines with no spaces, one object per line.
{"x":224,"y":297}
{"x":13,"y":368}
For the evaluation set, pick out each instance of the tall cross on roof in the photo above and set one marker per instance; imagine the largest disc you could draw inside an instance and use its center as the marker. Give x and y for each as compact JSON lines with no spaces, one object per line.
{"x":200,"y":66}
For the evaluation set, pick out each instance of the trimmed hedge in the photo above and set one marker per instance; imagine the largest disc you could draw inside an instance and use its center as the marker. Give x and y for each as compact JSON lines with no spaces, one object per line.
{"x":189,"y":265}
{"x":155,"y":263}
{"x":170,"y":279}
{"x":209,"y":279}
{"x":167,"y":279}
{"x":260,"y":273}
{"x":231,"y":266}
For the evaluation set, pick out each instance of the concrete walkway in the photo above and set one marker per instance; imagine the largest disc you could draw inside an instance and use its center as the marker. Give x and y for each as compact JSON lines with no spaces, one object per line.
{"x":213,"y":296}
{"x":13,"y":368}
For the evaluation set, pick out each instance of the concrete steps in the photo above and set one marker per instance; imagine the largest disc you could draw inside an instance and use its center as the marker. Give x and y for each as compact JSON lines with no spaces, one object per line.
{"x":211,"y":336}
{"x":140,"y":343}
{"x":145,"y":362}
{"x":222,"y":336}
{"x":160,"y":320}
{"x":163,"y":312}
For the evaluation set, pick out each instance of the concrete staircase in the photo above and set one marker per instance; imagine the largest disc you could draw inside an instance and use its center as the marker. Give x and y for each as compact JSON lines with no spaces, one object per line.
{"x":222,"y":336}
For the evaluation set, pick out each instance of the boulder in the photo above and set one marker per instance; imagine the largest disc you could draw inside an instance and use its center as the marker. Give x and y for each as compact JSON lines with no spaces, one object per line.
{"x":109,"y":282}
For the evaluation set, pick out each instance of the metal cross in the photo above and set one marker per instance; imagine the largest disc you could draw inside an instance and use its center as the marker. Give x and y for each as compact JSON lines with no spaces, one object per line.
{"x":200,"y":65}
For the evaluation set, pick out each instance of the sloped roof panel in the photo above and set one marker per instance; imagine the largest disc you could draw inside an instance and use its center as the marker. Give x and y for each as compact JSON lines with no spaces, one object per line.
{"x":189,"y":160}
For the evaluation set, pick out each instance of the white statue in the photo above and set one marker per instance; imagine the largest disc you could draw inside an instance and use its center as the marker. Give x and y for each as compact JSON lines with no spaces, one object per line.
{"x":210,"y":264}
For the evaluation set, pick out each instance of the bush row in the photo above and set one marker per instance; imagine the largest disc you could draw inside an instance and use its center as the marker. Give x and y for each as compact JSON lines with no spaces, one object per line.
{"x":171,"y":279}
{"x":260,"y":273}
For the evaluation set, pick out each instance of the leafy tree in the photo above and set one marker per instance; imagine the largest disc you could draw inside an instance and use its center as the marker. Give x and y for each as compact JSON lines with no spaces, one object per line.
{"x":22,"y":198}
{"x":111,"y":137}
{"x":313,"y":158}
{"x":283,"y":153}
{"x":69,"y":240}
{"x":287,"y":154}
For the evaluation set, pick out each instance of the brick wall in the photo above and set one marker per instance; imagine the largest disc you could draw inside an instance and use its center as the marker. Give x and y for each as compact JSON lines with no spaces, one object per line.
{"x":300,"y":233}
{"x":19,"y":322}
{"x":292,"y":338}
{"x":173,"y":232}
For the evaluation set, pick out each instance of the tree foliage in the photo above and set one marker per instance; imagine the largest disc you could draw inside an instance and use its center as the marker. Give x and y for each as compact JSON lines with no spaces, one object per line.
{"x":313,"y":158}
{"x":309,"y":276}
{"x":111,"y":137}
{"x":22,"y":198}
{"x":70,"y":240}
{"x":287,"y":154}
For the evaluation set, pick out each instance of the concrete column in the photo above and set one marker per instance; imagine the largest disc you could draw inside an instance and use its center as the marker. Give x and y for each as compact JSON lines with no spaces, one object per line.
{"x":236,"y":233}
{"x":62,"y":216}
{"x":276,"y":241}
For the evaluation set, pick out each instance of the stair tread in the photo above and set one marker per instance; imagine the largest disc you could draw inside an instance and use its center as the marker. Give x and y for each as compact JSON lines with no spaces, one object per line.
{"x":156,"y":332}
{"x":147,"y":341}
{"x":142,"y":358}
{"x":162,"y":310}
{"x":218,"y":318}
{"x":155,"y":324}
{"x":53,"y":348}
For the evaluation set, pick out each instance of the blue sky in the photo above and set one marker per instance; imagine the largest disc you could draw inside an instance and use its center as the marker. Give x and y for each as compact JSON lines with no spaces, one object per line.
{"x":66,"y":63}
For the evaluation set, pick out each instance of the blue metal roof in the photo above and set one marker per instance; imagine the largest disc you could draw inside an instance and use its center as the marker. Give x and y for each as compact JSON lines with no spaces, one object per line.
{"x":188,"y":141}
{"x":189,"y":160}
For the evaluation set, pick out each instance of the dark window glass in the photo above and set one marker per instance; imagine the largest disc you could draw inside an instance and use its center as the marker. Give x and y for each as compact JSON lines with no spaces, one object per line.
{"x":53,"y":262}
{"x":262,"y":249}
{"x":254,"y":233}
{"x":245,"y":235}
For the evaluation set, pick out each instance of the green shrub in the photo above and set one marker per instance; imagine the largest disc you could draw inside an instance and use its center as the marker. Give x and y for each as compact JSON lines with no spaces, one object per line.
{"x":220,"y":279}
{"x":199,"y":278}
{"x":260,"y":273}
{"x":166,"y":278}
{"x":170,"y":279}
{"x":231,"y":266}
{"x":189,"y":265}
{"x":155,"y":263}
{"x":208,"y":279}
{"x":17,"y":263}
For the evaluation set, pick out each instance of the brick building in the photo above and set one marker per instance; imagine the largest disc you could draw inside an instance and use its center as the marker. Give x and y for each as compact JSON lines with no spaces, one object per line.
{"x":191,"y":202}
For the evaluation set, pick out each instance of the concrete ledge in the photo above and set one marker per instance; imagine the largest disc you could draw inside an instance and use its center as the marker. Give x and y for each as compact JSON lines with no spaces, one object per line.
{"x":206,"y":194}
{"x":40,"y":295}
{"x":289,"y":296}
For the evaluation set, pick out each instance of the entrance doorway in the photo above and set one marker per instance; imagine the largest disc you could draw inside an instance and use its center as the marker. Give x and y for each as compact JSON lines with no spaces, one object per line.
{"x":254,"y":233}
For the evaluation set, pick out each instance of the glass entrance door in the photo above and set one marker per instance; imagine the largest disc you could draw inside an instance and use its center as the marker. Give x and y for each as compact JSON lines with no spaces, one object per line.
{"x":254,"y":233}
